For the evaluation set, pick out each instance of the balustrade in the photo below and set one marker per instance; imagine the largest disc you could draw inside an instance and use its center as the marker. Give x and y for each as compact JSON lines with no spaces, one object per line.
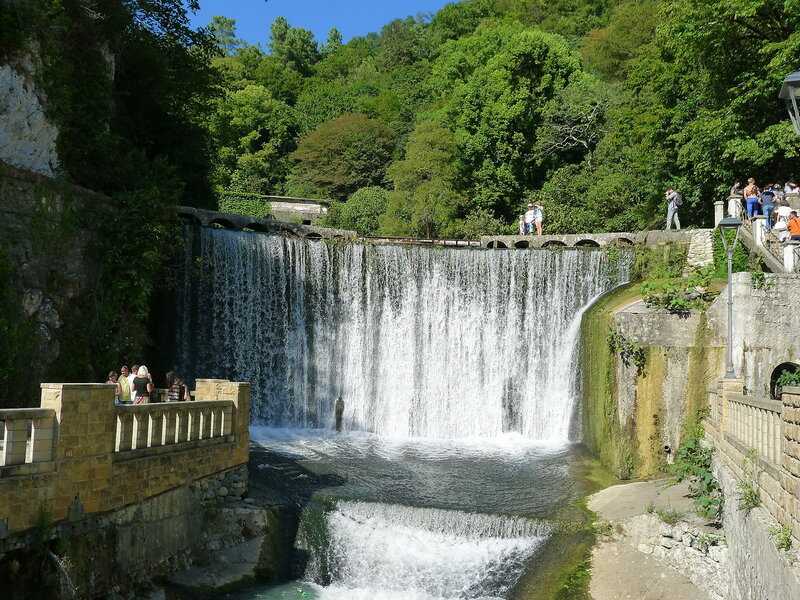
{"x":142,"y":426}
{"x":27,"y":436}
{"x":756,"y":423}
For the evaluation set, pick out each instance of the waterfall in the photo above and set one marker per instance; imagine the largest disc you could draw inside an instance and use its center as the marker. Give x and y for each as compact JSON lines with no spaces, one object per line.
{"x":417,"y":341}
{"x":373,"y":550}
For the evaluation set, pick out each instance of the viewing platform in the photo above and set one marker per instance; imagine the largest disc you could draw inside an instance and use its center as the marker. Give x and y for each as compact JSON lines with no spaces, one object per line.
{"x":80,"y":453}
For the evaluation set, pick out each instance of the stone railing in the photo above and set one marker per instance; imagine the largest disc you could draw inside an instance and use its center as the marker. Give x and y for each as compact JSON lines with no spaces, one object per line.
{"x":760,"y":438}
{"x":28,"y":436}
{"x":756,"y":423}
{"x":80,"y":453}
{"x":145,"y":426}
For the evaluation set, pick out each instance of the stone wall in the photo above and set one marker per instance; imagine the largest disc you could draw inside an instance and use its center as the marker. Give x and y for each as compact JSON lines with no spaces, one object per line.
{"x":634,"y":412}
{"x":87,"y":475}
{"x":765,"y":326}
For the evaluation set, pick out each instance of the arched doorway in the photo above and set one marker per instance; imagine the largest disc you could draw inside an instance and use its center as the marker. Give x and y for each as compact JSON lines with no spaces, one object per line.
{"x":777,"y":372}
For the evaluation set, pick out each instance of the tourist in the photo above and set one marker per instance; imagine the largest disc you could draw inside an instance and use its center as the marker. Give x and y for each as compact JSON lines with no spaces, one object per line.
{"x":790,"y":187}
{"x":538,"y":217}
{"x":184,"y":394}
{"x":751,"y":193}
{"x":530,"y":215}
{"x":175,"y":389}
{"x":736,"y":189}
{"x":522,"y":225}
{"x":768,"y":205}
{"x":131,"y":377}
{"x":674,"y":202}
{"x":124,"y":385}
{"x":794,"y":227}
{"x":142,"y":386}
{"x":112,"y":378}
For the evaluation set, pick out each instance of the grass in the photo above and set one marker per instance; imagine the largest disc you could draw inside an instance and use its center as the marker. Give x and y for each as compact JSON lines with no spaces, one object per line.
{"x":670,"y":516}
{"x":749,"y":498}
{"x":782,"y":536}
{"x":650,"y":508}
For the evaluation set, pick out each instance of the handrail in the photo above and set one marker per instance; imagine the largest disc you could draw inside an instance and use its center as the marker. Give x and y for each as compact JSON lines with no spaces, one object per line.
{"x":26,"y":413}
{"x":761,"y":403}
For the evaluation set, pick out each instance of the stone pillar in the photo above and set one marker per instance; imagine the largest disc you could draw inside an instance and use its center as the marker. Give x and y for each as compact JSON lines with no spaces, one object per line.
{"x":727,"y":388}
{"x":759,"y":231}
{"x":86,"y":425}
{"x":790,"y":263}
{"x":239,"y":394}
{"x":736,"y":206}
{"x":719,"y":212}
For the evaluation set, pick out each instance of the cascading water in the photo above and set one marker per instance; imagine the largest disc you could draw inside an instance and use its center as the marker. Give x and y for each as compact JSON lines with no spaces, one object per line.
{"x":416,"y":341}
{"x":420,"y":553}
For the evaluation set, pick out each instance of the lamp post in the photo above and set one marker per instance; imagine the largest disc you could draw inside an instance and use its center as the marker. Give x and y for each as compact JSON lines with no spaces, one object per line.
{"x":725,"y":225}
{"x":790,"y":93}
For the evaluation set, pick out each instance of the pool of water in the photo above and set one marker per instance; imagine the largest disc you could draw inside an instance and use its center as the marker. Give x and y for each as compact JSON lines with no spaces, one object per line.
{"x":416,"y":519}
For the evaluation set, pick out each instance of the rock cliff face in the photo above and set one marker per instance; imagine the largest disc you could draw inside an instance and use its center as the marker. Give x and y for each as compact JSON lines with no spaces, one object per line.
{"x":27,"y":137}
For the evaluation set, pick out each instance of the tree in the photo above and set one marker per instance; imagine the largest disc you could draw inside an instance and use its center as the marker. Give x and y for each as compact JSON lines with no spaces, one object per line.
{"x":293,"y":45}
{"x":283,"y":82}
{"x":254,"y":134}
{"x":361,"y":212}
{"x":223,"y":29}
{"x":424,"y":200}
{"x":333,"y":43}
{"x":344,"y":154}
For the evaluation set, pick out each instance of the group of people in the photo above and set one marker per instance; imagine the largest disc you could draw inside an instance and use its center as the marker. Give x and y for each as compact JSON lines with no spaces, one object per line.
{"x":135,"y":386}
{"x":772,"y":203}
{"x":531,"y":220}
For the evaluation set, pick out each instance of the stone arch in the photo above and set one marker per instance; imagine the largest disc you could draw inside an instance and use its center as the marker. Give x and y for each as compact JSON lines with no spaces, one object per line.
{"x":623,"y":241}
{"x":222,"y":223}
{"x":587,"y":243}
{"x":554,"y":244}
{"x":260,"y":227}
{"x":522,"y":244}
{"x":776,"y":373}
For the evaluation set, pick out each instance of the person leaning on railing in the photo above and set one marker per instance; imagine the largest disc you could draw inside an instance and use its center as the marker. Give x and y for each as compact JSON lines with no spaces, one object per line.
{"x":143,"y":386}
{"x":794,"y":227}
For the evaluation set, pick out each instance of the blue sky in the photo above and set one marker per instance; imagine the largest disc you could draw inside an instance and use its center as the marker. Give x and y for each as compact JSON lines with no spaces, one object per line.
{"x":351,"y":17}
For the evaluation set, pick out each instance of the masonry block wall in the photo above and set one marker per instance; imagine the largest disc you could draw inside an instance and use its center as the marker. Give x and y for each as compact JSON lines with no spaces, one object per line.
{"x":87,"y":475}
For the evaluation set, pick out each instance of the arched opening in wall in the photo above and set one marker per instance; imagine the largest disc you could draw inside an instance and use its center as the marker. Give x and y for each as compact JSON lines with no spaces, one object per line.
{"x":259,"y":227}
{"x":313,"y":236}
{"x":498,"y":244}
{"x":222,"y":224}
{"x":522,"y":244}
{"x":587,"y":244}
{"x":306,"y":221}
{"x":783,"y":375}
{"x":554,"y":244}
{"x":623,"y":242}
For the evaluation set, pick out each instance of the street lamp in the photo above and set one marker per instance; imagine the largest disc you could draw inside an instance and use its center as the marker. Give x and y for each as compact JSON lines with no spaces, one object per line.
{"x":790,"y":91}
{"x":725,"y":225}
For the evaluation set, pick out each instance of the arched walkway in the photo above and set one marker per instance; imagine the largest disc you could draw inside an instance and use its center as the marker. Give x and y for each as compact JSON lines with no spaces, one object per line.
{"x":776,"y":374}
{"x":554,"y":244}
{"x":522,"y":244}
{"x":586,"y":244}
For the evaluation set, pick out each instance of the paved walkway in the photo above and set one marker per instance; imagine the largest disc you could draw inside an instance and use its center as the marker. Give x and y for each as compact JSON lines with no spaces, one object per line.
{"x":619,"y":571}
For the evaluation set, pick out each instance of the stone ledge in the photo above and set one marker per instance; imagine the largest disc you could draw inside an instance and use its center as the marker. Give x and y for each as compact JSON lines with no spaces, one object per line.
{"x":144,"y":453}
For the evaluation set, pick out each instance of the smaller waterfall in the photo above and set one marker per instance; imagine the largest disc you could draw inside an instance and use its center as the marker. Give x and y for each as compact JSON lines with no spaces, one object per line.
{"x":378,"y":551}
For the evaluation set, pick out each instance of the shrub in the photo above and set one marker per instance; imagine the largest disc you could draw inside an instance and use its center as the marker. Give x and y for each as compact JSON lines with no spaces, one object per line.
{"x":747,"y":486}
{"x":693,"y":463}
{"x":782,"y":536}
{"x":242,"y":203}
{"x":670,"y":516}
{"x":361,"y":212}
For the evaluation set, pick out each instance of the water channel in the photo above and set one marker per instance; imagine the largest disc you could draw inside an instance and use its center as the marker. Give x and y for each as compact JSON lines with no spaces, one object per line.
{"x":456,"y":467}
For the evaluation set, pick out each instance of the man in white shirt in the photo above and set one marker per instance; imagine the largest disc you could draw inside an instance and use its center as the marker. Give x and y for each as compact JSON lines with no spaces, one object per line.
{"x":538,"y":217}
{"x":530,"y":217}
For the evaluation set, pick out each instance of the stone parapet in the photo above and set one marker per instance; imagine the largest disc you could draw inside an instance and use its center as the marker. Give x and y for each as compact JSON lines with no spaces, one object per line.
{"x":80,"y":453}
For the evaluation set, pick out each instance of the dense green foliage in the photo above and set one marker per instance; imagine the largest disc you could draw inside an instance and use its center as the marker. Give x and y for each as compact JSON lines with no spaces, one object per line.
{"x":593,"y":108}
{"x":693,"y":463}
